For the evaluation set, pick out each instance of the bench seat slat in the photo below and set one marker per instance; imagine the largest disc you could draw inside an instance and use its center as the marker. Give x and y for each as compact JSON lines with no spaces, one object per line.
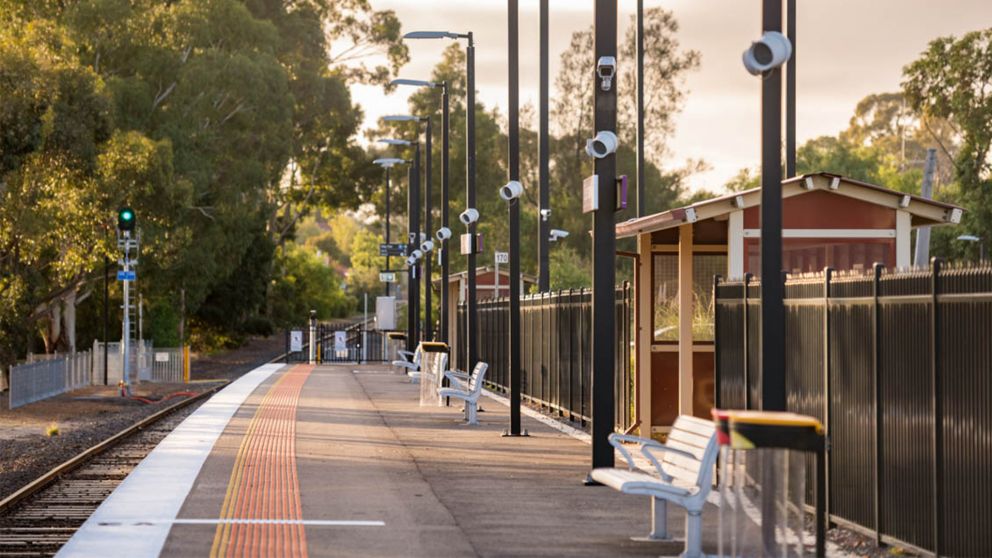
{"x":689,"y":439}
{"x":692,"y":450}
{"x":695,"y":425}
{"x":637,"y":482}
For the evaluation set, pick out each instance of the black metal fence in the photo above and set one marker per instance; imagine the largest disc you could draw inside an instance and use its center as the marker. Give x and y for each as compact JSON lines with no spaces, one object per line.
{"x":899,"y":368}
{"x":357,"y":343}
{"x":556,"y":351}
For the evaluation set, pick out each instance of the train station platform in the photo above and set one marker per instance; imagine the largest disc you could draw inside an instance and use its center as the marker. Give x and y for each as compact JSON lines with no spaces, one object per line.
{"x":341,"y":460}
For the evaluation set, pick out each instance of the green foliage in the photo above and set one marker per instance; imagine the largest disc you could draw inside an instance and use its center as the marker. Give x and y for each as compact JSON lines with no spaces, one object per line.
{"x":951,"y":81}
{"x":305,"y":284}
{"x":568,"y":270}
{"x":221,"y":122}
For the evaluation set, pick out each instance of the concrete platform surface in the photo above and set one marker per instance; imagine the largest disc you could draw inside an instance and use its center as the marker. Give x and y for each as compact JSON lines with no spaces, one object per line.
{"x":341,"y":460}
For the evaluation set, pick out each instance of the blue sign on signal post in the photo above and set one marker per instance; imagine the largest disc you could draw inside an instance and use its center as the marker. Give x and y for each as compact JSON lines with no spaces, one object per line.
{"x":126,"y":276}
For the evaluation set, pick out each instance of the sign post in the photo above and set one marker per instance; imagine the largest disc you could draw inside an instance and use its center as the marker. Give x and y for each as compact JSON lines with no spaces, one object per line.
{"x":501,"y":258}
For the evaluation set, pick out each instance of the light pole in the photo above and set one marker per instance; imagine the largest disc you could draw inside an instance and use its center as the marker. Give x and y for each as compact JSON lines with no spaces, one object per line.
{"x":544,"y":169}
{"x":387,"y":164}
{"x":429,"y":208}
{"x":444,"y":237}
{"x":413,"y":218}
{"x":472,"y":317}
{"x":511,"y":193}
{"x":604,"y":236}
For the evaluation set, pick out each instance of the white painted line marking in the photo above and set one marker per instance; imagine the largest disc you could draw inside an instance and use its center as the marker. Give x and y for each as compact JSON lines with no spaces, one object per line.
{"x":159,"y":484}
{"x":304,"y":522}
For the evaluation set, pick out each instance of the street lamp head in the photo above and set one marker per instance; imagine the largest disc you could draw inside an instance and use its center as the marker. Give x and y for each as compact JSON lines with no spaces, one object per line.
{"x":396,"y":142}
{"x":431,"y":35}
{"x":414,"y":82}
{"x":388,"y":162}
{"x":401,"y":118}
{"x":969,"y":238}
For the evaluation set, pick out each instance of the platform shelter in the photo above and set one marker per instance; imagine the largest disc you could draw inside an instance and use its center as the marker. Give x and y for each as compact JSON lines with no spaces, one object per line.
{"x":828,"y":221}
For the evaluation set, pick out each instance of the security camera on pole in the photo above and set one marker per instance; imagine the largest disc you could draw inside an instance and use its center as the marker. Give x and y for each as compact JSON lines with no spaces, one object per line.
{"x":471,"y":243}
{"x":445,"y":199}
{"x":128,"y":242}
{"x":603,"y":191}
{"x":765,"y":57}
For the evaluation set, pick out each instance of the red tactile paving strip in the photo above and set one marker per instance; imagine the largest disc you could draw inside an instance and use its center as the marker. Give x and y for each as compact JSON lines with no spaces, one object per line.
{"x":264,"y":487}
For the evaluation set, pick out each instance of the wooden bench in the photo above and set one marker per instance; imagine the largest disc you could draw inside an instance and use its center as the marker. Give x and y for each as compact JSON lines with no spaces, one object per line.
{"x":471,"y":391}
{"x":411,"y":363}
{"x":683,"y":475}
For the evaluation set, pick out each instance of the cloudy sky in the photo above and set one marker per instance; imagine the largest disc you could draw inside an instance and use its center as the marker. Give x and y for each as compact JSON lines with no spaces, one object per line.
{"x":846,"y":49}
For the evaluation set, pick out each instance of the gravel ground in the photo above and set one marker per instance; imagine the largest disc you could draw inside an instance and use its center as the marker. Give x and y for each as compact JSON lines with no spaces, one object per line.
{"x":88,"y":416}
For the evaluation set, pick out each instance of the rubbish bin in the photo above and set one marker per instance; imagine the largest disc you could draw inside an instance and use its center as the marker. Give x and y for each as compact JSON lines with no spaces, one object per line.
{"x":763,"y":490}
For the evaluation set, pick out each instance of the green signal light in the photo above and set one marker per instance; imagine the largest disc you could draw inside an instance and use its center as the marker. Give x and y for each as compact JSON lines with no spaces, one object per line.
{"x":125,"y":219}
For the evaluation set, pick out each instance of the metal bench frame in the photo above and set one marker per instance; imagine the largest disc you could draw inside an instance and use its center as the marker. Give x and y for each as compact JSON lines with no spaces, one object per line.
{"x":691,"y":463}
{"x":411,"y":362}
{"x":470,"y":394}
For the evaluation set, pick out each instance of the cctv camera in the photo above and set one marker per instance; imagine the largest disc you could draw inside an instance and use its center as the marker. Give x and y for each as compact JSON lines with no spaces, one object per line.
{"x":602,"y":145}
{"x":767,"y":53}
{"x":427,"y":246}
{"x":444,"y":233}
{"x":606,"y":69}
{"x":469,"y":216}
{"x":411,"y":261}
{"x":557,"y":234}
{"x":511,"y":191}
{"x":545,"y":214}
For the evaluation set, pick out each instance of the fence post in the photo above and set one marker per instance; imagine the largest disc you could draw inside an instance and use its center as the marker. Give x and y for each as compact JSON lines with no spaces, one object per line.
{"x":828,"y":276}
{"x":938,"y":461}
{"x":717,"y":400}
{"x":747,"y":344}
{"x":876,"y":323}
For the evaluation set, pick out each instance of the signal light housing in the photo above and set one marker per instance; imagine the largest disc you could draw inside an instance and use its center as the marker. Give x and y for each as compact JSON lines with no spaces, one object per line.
{"x":126,"y":219}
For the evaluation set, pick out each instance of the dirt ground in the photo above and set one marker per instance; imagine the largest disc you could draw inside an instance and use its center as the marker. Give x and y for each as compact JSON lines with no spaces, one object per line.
{"x":87,"y":416}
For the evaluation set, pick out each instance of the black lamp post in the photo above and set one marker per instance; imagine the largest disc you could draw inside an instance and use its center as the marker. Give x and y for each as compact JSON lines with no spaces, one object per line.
{"x":425,"y":246}
{"x":387,"y":164}
{"x":604,"y":239}
{"x":413,"y":217}
{"x":544,"y":171}
{"x":443,"y":238}
{"x":511,"y":193}
{"x":472,"y":317}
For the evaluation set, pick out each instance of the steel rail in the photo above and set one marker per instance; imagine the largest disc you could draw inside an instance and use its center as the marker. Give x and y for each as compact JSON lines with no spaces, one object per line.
{"x":82,"y":458}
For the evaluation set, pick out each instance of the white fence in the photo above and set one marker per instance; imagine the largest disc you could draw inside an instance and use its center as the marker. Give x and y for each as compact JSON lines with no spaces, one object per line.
{"x":141,"y":362}
{"x":46,"y":378}
{"x":168,"y":366}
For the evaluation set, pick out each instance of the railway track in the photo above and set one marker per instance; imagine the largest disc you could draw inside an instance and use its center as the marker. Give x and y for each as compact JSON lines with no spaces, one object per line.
{"x":41,"y":517}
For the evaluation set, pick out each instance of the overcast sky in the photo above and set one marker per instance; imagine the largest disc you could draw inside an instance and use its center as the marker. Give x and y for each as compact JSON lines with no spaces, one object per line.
{"x":846,"y":49}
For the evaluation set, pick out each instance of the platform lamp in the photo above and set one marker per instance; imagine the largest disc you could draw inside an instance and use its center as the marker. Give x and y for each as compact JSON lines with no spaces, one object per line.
{"x":388,"y":163}
{"x":472,"y":317}
{"x":425,"y":245}
{"x":443,"y":237}
{"x":413,"y":240}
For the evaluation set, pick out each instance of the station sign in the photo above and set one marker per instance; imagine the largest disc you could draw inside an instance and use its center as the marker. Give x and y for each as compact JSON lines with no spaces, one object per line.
{"x":393,"y":249}
{"x":126,"y":275}
{"x":387,"y":276}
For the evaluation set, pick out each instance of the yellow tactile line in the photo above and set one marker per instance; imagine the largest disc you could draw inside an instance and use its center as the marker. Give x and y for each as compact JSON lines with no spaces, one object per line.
{"x":222,"y":535}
